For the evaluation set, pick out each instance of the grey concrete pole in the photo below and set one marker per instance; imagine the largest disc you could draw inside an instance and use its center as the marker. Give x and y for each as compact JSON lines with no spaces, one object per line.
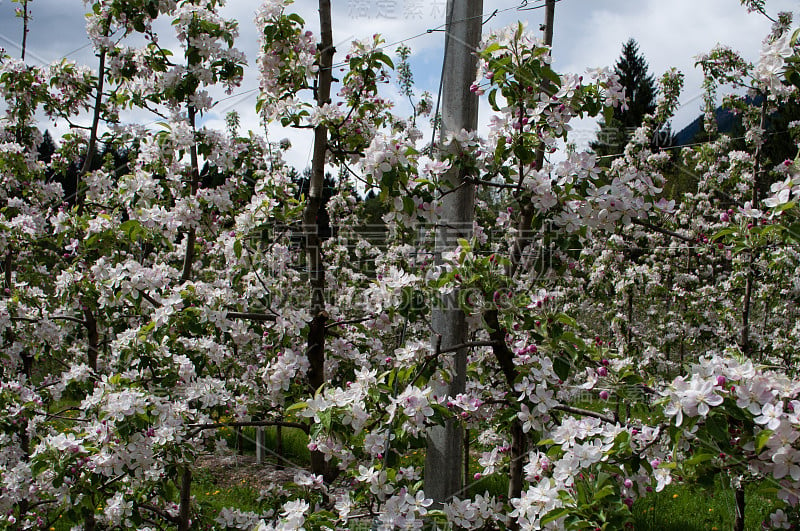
{"x":444,"y":458}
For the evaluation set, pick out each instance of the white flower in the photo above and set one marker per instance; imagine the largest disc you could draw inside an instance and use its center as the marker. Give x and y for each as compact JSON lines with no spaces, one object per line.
{"x":749,"y":211}
{"x":236,"y":519}
{"x":344,"y":505}
{"x":663,"y":478}
{"x":770,"y":415}
{"x":117,"y":509}
{"x":377,"y":479}
{"x":781,"y":194}
{"x":293,"y":515}
{"x":787,"y":461}
{"x":779,"y":520}
{"x":698,"y":397}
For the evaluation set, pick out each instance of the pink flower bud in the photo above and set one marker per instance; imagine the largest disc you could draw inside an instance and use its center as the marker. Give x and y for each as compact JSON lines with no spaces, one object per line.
{"x":628,"y":502}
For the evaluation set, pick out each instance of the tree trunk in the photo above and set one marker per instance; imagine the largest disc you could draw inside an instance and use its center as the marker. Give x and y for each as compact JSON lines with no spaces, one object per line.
{"x":519,"y":446}
{"x":314,"y":262}
{"x":279,"y":446}
{"x":185,"y":508}
{"x":738,"y":524}
{"x":745,"y":345}
{"x":91,"y":149}
{"x":93,"y":338}
{"x":188,"y":258}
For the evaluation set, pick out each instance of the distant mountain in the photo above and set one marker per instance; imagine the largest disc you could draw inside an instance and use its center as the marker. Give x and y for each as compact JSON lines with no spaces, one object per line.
{"x":726,"y":120}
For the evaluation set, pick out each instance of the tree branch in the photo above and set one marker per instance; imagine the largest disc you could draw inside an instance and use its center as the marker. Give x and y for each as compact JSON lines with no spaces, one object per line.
{"x":252,"y":423}
{"x":472,"y":344}
{"x":250,"y":316}
{"x":586,"y":413}
{"x":661,"y":230}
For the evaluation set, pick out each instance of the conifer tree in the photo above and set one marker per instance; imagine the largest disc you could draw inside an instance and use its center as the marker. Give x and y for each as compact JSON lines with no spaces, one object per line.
{"x":640,"y":89}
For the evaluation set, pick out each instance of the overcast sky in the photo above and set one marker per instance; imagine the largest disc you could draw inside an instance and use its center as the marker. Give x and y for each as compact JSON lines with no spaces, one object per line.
{"x":588,"y":33}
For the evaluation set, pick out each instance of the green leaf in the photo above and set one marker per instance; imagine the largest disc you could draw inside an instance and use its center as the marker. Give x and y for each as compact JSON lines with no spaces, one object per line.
{"x":408,"y":206}
{"x":499,"y":152}
{"x":554,"y":515}
{"x":294,"y":17}
{"x":491,"y":48}
{"x":697,"y":459}
{"x":795,"y":37}
{"x":385,"y":59}
{"x":562,"y":366}
{"x":608,"y":114}
{"x":237,"y":248}
{"x":717,"y":427}
{"x":723,"y":232}
{"x":296,"y":407}
{"x":794,"y":231}
{"x":605,"y":492}
{"x":551,"y":76}
{"x":567,"y":320}
{"x":761,"y":439}
{"x":493,"y":101}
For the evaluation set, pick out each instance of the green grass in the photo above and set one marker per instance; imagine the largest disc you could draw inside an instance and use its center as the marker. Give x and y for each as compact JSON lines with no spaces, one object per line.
{"x":496,"y":485}
{"x":678,"y":507}
{"x":694,"y":508}
{"x":295,"y":444}
{"x":211,"y":494}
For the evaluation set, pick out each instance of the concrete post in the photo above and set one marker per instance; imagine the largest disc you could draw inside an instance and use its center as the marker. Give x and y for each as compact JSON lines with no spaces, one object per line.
{"x":444,"y":458}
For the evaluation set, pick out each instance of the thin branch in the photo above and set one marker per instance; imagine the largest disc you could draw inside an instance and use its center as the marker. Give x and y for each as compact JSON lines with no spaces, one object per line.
{"x":586,"y":413}
{"x":67,"y":318}
{"x":150,"y":299}
{"x":60,"y":417}
{"x":351,"y":321}
{"x":661,"y":230}
{"x":494,"y":184}
{"x":40,"y":503}
{"x":250,"y":316}
{"x":163,"y":514}
{"x":472,"y":344}
{"x":253,"y":423}
{"x":262,"y":317}
{"x":52,"y":318}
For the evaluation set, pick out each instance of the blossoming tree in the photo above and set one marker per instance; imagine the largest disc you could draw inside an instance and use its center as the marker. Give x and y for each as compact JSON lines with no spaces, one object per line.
{"x":159,"y":305}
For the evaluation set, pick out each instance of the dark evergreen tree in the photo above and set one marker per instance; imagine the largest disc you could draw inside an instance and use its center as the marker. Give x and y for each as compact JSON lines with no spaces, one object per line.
{"x":640,"y":86}
{"x":640,"y":90}
{"x":115,"y":157}
{"x":329,"y":190}
{"x":47,"y":148}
